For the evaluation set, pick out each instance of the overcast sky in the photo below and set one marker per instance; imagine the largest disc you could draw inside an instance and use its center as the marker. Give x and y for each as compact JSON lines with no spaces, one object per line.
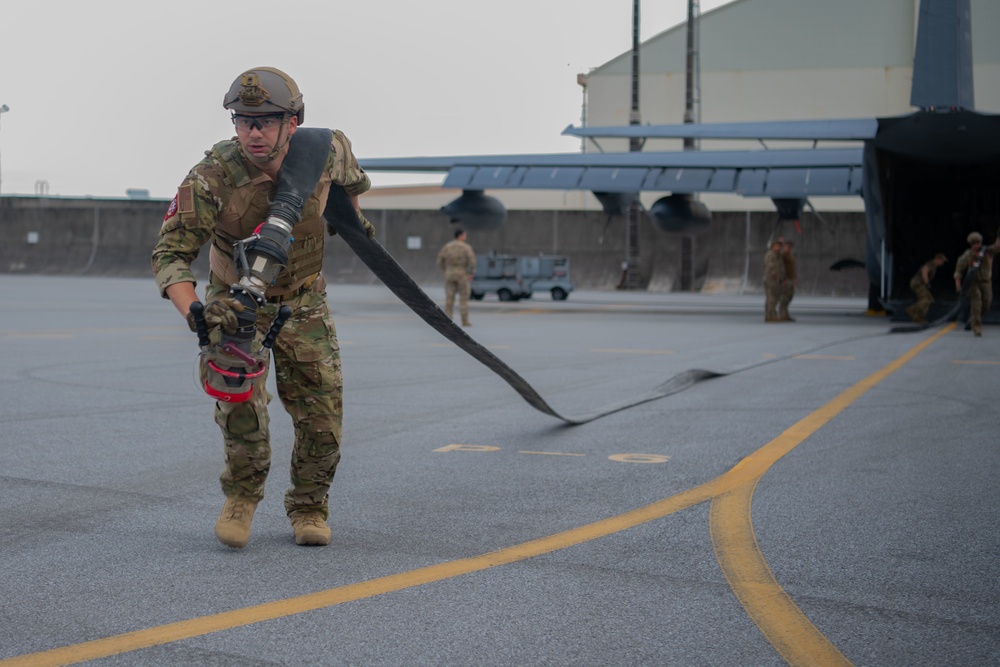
{"x":108,"y":95}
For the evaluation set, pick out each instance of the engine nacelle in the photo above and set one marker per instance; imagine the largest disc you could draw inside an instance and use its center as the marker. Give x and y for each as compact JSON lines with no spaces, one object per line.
{"x":681,"y":214}
{"x":616,"y":203}
{"x":789,"y":209}
{"x":475,"y":211}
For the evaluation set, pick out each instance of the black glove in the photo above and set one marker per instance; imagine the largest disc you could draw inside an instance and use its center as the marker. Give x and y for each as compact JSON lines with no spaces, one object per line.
{"x":219,"y":313}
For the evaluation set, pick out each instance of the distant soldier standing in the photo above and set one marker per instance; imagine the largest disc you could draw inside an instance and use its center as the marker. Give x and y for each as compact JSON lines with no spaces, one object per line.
{"x":774,"y":276}
{"x":790,"y":282}
{"x":921,"y":286}
{"x":981,"y":289}
{"x":458,"y":262}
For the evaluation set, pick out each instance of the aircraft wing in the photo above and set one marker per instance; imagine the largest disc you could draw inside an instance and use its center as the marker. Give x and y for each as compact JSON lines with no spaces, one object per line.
{"x":763,"y":173}
{"x":846,"y":129}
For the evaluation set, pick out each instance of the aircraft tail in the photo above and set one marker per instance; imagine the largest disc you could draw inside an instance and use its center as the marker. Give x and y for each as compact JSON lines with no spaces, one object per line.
{"x":942,"y":61}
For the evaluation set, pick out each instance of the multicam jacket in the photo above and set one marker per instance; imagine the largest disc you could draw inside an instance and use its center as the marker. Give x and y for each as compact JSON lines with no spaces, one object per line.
{"x":456,"y":259}
{"x":225,"y":197}
{"x":774,"y":268}
{"x":918,"y":278}
{"x":968,"y":258}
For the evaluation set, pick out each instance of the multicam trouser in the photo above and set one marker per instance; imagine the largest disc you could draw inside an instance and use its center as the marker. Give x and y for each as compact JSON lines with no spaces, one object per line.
{"x":457,"y":283}
{"x":310,"y":385}
{"x":980,"y":298}
{"x":918,"y":310}
{"x":786,"y":294}
{"x":772,"y":297}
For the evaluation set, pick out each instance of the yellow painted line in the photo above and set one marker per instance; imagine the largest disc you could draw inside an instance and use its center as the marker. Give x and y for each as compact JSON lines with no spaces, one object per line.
{"x":784,"y":625}
{"x":732,"y":538}
{"x":625,"y":350}
{"x":552,"y":453}
{"x":791,"y":633}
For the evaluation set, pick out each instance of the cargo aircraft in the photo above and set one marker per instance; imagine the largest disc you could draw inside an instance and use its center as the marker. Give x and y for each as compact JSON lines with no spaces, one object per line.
{"x":926,"y":179}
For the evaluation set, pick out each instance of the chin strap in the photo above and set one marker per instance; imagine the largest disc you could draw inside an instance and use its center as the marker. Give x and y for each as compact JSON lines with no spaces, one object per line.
{"x":283,"y":139}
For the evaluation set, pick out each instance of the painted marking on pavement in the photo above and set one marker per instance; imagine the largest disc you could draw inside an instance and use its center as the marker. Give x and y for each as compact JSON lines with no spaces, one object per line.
{"x":625,"y":350}
{"x":39,"y":334}
{"x":736,"y":549}
{"x":639,"y":458}
{"x":823,"y":356}
{"x":467,"y":448}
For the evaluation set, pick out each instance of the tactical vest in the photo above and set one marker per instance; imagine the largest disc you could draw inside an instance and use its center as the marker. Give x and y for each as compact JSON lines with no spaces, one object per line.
{"x":247,"y":207}
{"x":985,"y":273}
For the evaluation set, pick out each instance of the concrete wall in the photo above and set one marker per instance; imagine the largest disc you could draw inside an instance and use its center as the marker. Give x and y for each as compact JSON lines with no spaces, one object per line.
{"x":114,"y":237}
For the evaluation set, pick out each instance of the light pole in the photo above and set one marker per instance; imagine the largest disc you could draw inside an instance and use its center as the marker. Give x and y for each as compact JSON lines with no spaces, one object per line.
{"x":3,"y":109}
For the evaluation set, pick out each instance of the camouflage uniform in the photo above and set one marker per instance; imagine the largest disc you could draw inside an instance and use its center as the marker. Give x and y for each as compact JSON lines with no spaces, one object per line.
{"x":223,"y":199}
{"x":920,"y":287}
{"x":457,"y":260}
{"x":788,"y":285}
{"x":981,"y":290}
{"x":774,"y":276}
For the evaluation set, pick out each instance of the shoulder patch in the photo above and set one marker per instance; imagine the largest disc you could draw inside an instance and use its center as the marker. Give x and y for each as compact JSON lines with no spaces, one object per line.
{"x":184,"y":200}
{"x":172,"y":209}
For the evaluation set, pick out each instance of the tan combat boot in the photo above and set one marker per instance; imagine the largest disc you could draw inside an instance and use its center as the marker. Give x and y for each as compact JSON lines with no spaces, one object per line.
{"x":233,"y":525}
{"x":310,"y":528}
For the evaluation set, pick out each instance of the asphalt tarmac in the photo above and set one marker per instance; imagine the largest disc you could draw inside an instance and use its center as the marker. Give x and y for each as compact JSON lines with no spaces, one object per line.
{"x":832,"y":499}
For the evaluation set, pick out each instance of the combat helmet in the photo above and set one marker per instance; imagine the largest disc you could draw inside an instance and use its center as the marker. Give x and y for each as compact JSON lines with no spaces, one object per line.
{"x":265,"y":90}
{"x":974,"y":237}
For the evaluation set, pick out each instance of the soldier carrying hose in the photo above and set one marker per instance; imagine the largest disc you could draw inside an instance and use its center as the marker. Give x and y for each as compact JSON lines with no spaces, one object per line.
{"x":266,"y":252}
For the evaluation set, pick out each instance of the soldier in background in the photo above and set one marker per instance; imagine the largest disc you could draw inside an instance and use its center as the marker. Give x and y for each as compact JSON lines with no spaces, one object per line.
{"x":223,"y":199}
{"x":921,"y":286}
{"x":980,"y":293}
{"x":458,"y":263}
{"x":790,"y":282}
{"x":774,"y":277}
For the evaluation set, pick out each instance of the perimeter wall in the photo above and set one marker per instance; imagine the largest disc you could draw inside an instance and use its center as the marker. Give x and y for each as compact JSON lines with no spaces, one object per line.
{"x":113,"y":237}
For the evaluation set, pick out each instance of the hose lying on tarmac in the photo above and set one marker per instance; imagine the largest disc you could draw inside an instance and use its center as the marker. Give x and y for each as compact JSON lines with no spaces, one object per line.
{"x":957,"y":312}
{"x":341,"y":215}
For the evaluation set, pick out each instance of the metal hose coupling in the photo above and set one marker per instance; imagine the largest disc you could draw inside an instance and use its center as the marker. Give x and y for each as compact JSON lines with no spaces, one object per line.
{"x":229,"y":370}
{"x":261,"y":257}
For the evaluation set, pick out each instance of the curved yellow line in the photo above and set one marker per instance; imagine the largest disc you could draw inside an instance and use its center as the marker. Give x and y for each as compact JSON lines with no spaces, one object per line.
{"x":744,"y":473}
{"x":784,"y":625}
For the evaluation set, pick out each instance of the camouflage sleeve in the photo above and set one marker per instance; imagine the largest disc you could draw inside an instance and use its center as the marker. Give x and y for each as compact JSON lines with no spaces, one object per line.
{"x":188,"y":225}
{"x":961,"y":265}
{"x":472,"y":260}
{"x":344,"y":168}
